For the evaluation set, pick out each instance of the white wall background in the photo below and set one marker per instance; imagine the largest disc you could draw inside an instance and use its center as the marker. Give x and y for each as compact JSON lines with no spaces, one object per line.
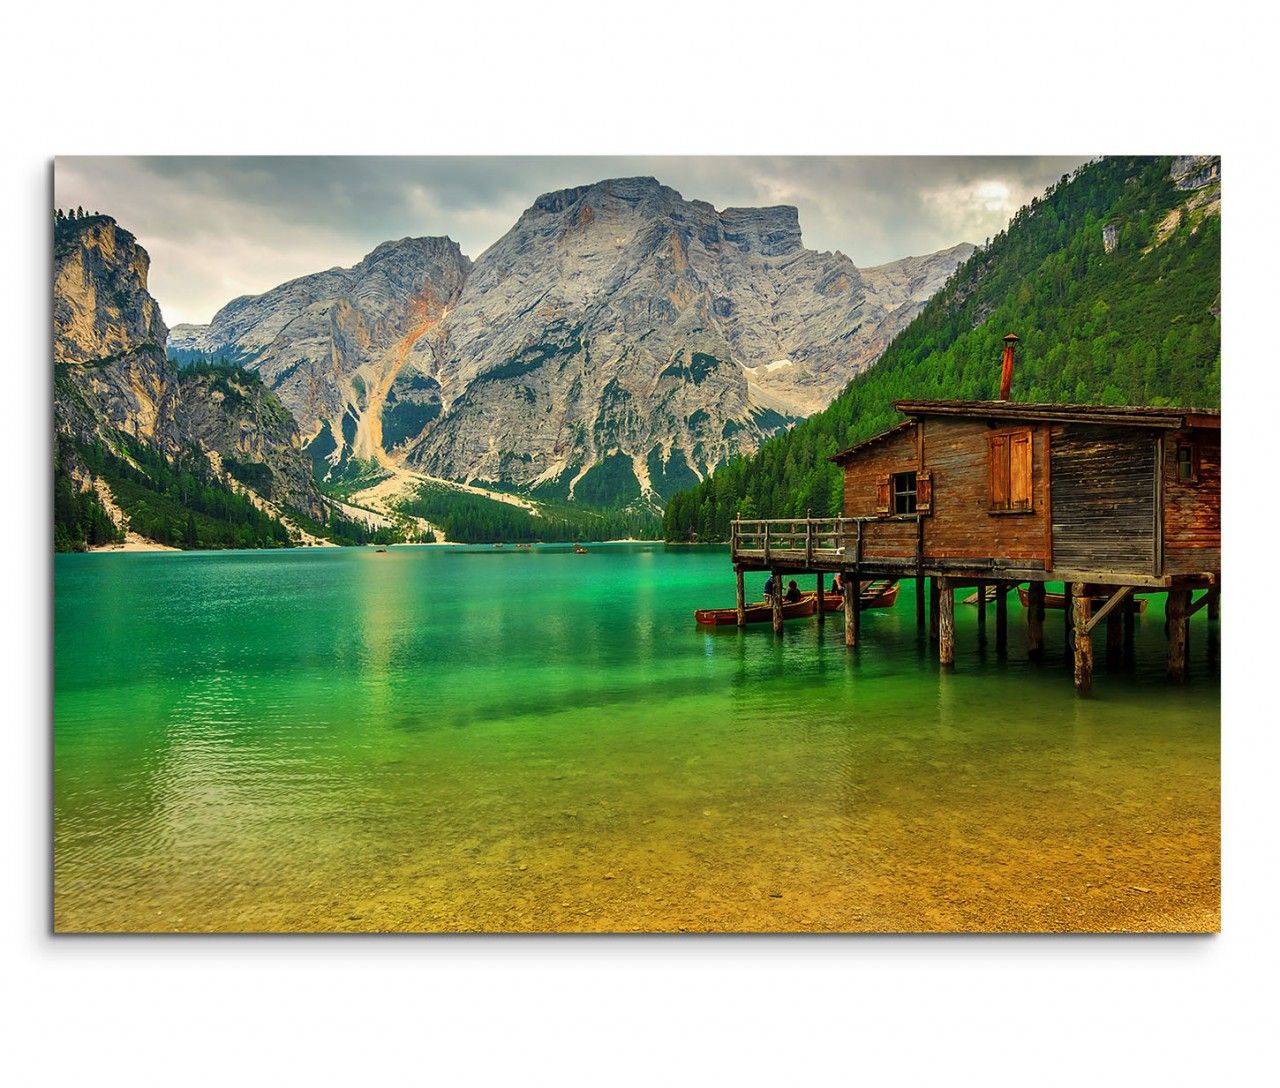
{"x":658,"y":77}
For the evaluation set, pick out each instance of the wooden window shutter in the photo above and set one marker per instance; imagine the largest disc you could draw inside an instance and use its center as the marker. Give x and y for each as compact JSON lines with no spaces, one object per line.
{"x":998,"y":471}
{"x":924,"y":492}
{"x":882,"y":495}
{"x":1020,"y":470}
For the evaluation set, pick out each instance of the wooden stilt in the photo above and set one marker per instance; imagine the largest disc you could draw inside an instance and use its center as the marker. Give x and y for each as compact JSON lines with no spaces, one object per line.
{"x":919,"y":573}
{"x":1186,"y":641}
{"x":777,"y":603}
{"x":933,"y":609}
{"x":1068,"y":622}
{"x":857,"y":608}
{"x":1130,"y":611}
{"x":946,"y":624}
{"x":1176,"y":622}
{"x":822,"y":597}
{"x":1002,"y":618}
{"x":1081,"y":606}
{"x":1115,"y":636}
{"x":849,"y":586}
{"x":982,"y":613}
{"x":1035,"y":620}
{"x":1212,"y":628}
{"x":742,"y":597}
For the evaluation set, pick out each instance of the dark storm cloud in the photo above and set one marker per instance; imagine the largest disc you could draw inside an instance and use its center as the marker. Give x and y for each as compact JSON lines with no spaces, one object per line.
{"x":221,"y":227}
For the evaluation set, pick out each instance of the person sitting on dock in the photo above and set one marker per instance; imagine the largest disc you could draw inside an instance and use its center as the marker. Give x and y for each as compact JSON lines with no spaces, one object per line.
{"x":793,"y":592}
{"x":837,"y":585}
{"x":768,"y":587}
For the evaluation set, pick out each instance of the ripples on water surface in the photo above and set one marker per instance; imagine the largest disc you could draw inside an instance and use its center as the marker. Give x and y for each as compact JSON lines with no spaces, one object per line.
{"x":480,"y":739}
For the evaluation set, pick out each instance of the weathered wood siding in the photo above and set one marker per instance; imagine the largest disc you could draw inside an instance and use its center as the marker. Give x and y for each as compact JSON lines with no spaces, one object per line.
{"x":962,"y":525}
{"x":862,"y":478}
{"x":1092,"y":493}
{"x":953,"y":457}
{"x":1193,"y":509}
{"x":1103,"y":499}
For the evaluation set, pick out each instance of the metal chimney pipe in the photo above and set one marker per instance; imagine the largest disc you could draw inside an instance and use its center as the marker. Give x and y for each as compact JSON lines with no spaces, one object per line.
{"x":1006,"y":369}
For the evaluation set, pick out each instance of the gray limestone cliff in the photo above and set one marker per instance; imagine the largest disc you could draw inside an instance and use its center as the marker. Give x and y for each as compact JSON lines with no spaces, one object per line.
{"x":108,"y":335}
{"x":616,"y":329}
{"x":331,"y":345}
{"x":1195,"y":171}
{"x":112,"y":379}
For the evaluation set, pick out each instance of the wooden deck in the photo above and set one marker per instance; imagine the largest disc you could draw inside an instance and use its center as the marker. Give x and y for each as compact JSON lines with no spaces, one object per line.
{"x":897,"y":546}
{"x":827,"y":543}
{"x":863,"y":549}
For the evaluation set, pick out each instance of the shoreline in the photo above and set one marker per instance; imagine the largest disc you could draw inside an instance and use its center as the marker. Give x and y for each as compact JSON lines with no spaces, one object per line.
{"x":132,"y":543}
{"x":139,"y":545}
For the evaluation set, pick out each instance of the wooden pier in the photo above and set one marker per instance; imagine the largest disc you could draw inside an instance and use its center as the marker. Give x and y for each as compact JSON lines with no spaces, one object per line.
{"x":855,"y":549}
{"x":992,"y":495}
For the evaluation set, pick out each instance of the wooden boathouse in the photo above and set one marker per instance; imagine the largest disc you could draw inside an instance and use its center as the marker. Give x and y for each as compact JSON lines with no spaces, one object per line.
{"x":992,"y":494}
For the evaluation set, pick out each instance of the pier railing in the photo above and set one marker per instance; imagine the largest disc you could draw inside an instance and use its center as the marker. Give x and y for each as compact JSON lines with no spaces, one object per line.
{"x":893,"y":539}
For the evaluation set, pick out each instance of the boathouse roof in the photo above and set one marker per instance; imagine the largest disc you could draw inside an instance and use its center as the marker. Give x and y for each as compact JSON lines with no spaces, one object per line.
{"x":1114,"y":415}
{"x":839,"y":457}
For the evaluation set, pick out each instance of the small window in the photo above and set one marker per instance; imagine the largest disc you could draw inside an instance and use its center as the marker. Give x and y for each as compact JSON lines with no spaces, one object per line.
{"x":1009,"y":471}
{"x":1187,"y":467}
{"x":904,"y":493}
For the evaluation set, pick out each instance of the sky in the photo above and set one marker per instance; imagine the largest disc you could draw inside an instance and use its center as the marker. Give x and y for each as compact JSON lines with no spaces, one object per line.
{"x":217,"y":228}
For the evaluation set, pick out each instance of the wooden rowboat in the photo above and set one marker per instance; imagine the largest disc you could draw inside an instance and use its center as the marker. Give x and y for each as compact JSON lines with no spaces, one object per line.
{"x":1059,"y":600}
{"x":879,"y":594}
{"x":759,"y":612}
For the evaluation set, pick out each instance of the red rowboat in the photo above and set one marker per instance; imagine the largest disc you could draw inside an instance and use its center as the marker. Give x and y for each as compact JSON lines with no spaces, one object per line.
{"x":760,"y":612}
{"x":874,"y":595}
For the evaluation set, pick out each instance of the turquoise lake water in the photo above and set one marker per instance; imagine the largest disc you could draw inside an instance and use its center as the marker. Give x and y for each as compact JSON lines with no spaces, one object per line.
{"x":461,"y":739}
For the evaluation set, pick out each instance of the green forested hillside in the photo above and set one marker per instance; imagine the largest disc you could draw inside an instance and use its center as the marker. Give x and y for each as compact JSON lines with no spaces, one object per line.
{"x":178,"y":503}
{"x":80,"y":521}
{"x":475,"y":519}
{"x":1136,"y":325}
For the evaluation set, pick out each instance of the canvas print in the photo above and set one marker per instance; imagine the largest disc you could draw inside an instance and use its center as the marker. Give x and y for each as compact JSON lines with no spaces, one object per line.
{"x":669,"y":545}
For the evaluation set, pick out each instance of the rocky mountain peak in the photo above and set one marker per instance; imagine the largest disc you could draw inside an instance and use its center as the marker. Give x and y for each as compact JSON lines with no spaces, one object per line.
{"x":616,"y":324}
{"x":599,"y":194}
{"x":412,"y":253}
{"x":621,"y":329}
{"x":771,"y":231}
{"x":112,"y":379}
{"x":102,"y":308}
